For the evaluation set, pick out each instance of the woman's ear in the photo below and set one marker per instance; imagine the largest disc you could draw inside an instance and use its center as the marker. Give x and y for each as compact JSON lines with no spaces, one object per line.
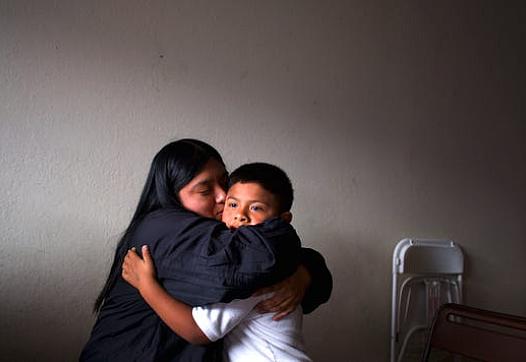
{"x":286,"y":216}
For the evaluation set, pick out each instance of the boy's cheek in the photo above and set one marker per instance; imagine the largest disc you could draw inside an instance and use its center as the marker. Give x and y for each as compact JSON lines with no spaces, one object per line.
{"x":227,"y":219}
{"x":232,"y":225}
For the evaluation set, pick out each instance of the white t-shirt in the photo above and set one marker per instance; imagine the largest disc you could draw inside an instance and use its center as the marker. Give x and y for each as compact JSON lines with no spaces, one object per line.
{"x":249,"y":335}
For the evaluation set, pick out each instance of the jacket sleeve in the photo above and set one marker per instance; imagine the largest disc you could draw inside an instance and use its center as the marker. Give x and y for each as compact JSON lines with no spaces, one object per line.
{"x":201,"y":262}
{"x":321,"y":280}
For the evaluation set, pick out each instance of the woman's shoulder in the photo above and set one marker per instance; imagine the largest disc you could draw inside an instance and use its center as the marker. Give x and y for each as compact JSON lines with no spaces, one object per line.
{"x":178,"y":214}
{"x":164,"y":229}
{"x":174,"y":220}
{"x":165,"y":213}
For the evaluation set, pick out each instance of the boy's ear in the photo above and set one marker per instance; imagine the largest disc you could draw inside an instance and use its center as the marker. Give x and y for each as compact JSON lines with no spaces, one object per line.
{"x":286,"y":216}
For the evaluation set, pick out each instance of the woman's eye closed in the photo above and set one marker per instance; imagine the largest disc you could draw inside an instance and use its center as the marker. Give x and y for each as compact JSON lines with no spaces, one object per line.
{"x":205,"y":191}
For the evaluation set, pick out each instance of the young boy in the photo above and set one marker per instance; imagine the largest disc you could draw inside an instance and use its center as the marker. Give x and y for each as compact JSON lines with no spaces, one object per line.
{"x":258,"y":192}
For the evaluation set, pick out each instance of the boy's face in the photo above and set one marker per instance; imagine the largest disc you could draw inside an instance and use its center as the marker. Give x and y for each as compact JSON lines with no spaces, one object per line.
{"x":249,"y":204}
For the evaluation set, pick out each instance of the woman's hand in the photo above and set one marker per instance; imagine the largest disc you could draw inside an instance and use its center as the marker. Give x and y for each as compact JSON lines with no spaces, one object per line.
{"x":137,"y":271}
{"x":288,"y":294}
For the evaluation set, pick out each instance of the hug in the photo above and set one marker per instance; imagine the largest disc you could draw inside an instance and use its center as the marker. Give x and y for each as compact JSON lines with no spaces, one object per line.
{"x":204,"y":255}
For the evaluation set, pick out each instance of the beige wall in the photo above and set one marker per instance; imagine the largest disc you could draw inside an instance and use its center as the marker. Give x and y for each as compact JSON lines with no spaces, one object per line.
{"x":391,"y":121}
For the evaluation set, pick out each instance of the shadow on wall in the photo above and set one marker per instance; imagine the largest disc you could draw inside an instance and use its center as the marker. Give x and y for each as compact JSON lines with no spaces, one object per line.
{"x":51,"y":328}
{"x":48,"y":292}
{"x":352,"y":323}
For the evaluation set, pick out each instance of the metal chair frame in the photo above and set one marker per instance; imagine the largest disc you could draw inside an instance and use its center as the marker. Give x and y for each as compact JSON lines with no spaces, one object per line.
{"x":431,"y":266}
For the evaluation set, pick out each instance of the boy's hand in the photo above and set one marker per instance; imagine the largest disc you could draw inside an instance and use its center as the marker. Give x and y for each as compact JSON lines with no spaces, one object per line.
{"x":136,"y":271}
{"x":288,"y":294}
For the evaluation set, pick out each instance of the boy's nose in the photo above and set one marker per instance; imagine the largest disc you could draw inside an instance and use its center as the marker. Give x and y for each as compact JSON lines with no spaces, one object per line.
{"x":240,"y":217}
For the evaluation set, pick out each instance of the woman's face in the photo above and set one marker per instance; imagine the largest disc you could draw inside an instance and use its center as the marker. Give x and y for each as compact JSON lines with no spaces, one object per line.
{"x":205,"y":193}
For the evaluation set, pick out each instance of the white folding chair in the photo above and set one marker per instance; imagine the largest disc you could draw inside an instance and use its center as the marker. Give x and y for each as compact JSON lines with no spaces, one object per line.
{"x":426,"y":274}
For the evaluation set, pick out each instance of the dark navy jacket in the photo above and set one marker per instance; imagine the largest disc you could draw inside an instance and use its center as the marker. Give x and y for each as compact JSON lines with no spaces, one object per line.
{"x":198,"y":261}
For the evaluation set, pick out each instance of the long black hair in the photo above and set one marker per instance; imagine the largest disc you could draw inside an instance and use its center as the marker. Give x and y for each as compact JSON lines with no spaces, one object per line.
{"x":172,"y":168}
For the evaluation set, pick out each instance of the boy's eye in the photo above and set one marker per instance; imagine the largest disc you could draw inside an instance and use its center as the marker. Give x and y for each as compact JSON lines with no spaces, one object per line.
{"x":256,"y":208}
{"x":231,"y":204}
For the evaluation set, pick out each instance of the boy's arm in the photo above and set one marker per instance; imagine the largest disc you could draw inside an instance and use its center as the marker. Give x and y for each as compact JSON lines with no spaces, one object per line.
{"x":218,"y":319}
{"x":140,"y":273}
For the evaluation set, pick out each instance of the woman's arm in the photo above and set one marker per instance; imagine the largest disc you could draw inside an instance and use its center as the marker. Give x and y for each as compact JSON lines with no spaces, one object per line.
{"x":199,"y":261}
{"x":310,"y":285}
{"x":140,"y":273}
{"x":320,"y":287}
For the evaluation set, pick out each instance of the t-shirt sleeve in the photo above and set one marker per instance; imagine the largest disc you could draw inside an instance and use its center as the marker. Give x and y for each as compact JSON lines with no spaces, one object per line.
{"x":216,"y":320}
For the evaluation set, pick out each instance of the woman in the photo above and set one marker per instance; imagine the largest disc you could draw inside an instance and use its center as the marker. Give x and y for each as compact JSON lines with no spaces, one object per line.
{"x":198,"y":260}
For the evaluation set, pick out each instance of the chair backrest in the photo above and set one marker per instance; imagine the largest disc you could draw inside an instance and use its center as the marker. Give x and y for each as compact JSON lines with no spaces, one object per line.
{"x":426,"y":274}
{"x":427,"y":257}
{"x":478,"y":334}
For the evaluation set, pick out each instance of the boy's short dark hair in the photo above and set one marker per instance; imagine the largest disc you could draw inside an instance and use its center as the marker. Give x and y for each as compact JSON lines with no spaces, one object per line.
{"x":270,"y":177}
